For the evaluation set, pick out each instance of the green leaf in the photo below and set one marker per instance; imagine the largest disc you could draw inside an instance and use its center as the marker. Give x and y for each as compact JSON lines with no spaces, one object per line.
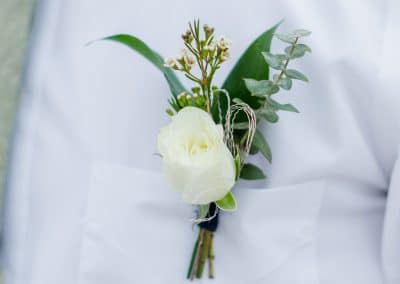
{"x":251,"y":172}
{"x":250,"y":65}
{"x":278,"y":106}
{"x":288,"y":107}
{"x":143,"y":49}
{"x":273,"y":61}
{"x":289,"y":38}
{"x":257,"y":87}
{"x":169,"y":112}
{"x":269,"y":114}
{"x":304,"y":46}
{"x":273,"y":90}
{"x":261,"y":88}
{"x":301,"y":32}
{"x":228,"y":203}
{"x":286,"y":83}
{"x":294,"y":74}
{"x":297,"y":51}
{"x":202,"y":210}
{"x":282,"y":56}
{"x":253,"y":150}
{"x":260,"y":143}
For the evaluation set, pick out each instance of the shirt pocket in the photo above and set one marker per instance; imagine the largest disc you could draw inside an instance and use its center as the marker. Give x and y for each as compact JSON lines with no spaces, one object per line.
{"x":138,"y":231}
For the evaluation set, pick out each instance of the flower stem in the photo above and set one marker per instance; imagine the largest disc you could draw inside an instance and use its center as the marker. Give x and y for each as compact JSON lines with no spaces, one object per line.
{"x":198,"y":254}
{"x":283,"y":71}
{"x":203,"y":253}
{"x":192,"y":259}
{"x":211,"y":257}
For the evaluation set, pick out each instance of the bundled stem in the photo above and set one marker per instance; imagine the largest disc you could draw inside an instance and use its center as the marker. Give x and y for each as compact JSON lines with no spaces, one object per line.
{"x":202,"y":252}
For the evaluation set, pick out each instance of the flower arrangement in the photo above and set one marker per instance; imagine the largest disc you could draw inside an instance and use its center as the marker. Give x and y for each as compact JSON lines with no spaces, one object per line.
{"x":214,"y":129}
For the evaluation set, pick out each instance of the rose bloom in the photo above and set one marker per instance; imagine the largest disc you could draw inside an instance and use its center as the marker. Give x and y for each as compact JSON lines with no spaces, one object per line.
{"x":196,"y":161}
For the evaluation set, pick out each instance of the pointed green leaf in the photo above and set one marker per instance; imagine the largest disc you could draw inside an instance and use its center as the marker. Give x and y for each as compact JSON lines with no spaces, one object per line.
{"x":286,"y":83}
{"x":251,"y":172}
{"x":261,"y":144}
{"x":228,"y":203}
{"x":143,"y":49}
{"x":294,"y":74}
{"x":250,"y":65}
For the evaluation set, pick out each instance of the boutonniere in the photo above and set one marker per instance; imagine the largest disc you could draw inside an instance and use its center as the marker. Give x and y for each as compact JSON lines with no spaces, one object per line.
{"x":213,"y":128}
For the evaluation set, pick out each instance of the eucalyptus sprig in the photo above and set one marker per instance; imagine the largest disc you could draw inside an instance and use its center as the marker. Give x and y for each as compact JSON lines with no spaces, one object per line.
{"x":263,"y":90}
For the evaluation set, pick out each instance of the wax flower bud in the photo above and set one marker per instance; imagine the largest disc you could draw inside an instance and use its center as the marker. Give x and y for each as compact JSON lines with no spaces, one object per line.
{"x":187,"y":36}
{"x":171,"y":63}
{"x":182,"y":99}
{"x":186,"y":59}
{"x":224,"y":56}
{"x":208,"y":30}
{"x":223,"y":43}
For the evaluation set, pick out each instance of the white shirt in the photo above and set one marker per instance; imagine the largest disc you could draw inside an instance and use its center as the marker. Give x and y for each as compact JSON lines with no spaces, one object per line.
{"x":87,"y":202}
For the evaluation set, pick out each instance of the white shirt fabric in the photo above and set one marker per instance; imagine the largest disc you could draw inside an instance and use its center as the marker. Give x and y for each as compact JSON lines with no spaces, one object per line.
{"x":87,"y":202}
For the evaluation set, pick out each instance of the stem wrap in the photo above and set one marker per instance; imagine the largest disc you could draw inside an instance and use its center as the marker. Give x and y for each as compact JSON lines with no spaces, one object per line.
{"x":212,"y":224}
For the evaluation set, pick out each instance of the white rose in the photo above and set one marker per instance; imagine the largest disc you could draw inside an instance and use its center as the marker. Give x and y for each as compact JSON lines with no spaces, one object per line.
{"x":196,"y":160}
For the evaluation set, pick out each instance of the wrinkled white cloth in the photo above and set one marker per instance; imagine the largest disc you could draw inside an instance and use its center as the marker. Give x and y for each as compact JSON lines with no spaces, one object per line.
{"x":87,"y":202}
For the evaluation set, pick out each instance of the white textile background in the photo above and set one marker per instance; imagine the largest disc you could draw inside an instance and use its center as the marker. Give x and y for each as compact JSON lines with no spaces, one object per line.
{"x":87,"y":203}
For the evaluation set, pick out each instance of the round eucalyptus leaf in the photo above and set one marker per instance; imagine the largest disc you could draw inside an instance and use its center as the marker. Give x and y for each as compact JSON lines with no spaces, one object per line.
{"x":260,"y":88}
{"x":301,"y":32}
{"x":269,"y":114}
{"x":286,"y":83}
{"x":297,"y":50}
{"x":289,"y":38}
{"x":273,"y":61}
